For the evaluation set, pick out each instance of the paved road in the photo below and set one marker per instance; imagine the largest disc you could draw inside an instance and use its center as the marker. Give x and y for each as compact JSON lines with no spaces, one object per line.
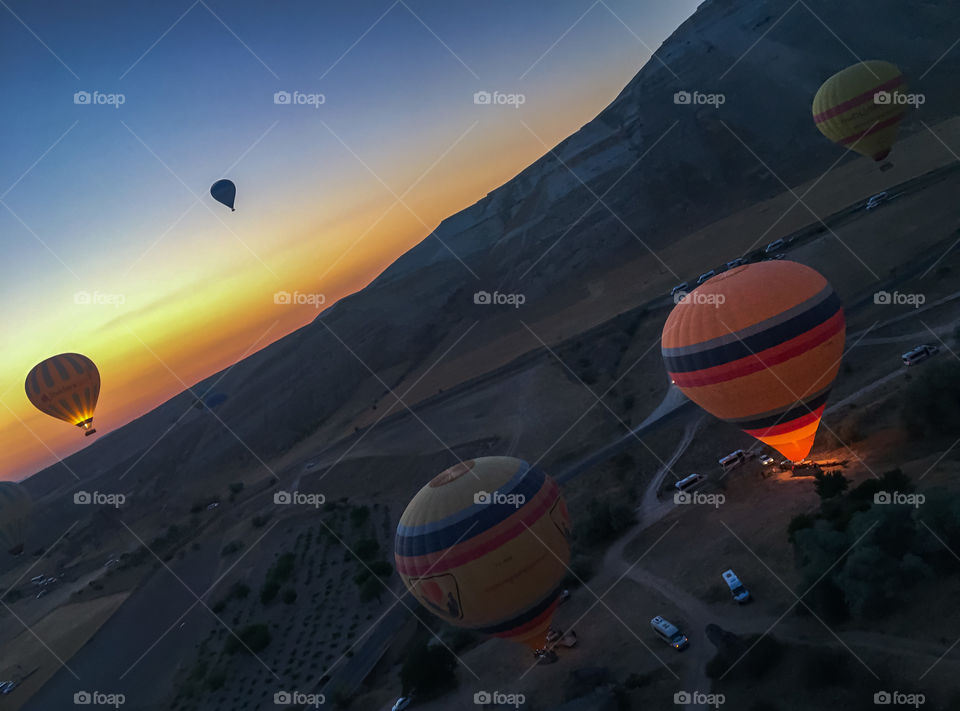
{"x":103,"y":663}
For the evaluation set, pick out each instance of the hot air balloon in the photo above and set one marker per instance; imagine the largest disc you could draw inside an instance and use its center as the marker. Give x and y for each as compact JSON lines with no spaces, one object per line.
{"x":861,"y":107}
{"x":66,"y":386}
{"x":224,"y":191}
{"x":484,"y":545}
{"x":759,"y":346}
{"x":15,"y":508}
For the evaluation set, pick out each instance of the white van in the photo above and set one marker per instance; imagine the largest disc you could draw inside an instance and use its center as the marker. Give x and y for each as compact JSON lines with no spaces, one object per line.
{"x":733,"y":460}
{"x":739,"y":592}
{"x":669,"y":633}
{"x":689,"y":482}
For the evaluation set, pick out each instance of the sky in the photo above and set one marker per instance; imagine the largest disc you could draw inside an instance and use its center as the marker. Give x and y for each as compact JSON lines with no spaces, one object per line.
{"x":118,"y":117}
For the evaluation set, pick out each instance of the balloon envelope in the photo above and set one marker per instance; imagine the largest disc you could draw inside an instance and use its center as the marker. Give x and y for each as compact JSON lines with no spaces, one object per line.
{"x":15,"y":506}
{"x":759,"y":346}
{"x":224,"y":191}
{"x":485,"y":546}
{"x":65,"y":386}
{"x":861,"y":107}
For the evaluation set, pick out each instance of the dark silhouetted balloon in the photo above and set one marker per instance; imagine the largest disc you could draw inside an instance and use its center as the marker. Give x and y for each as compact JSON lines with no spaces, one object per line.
{"x":224,"y":191}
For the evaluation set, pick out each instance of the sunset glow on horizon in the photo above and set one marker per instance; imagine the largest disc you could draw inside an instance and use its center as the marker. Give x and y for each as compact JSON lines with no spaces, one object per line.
{"x":115,"y":249}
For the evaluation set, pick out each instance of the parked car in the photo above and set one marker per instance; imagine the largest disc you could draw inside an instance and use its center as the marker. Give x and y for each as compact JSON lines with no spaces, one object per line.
{"x":564,"y":595}
{"x":37,"y":579}
{"x":689,"y":482}
{"x":733,"y":460}
{"x":669,"y":633}
{"x":402,"y":703}
{"x":212,"y":506}
{"x":684,"y":287}
{"x":919,"y":354}
{"x":775,"y":246}
{"x":7,"y":686}
{"x":705,"y":276}
{"x":739,"y":592}
{"x":767,"y":460}
{"x":876,"y":200}
{"x":738,"y":262}
{"x":42,"y":593}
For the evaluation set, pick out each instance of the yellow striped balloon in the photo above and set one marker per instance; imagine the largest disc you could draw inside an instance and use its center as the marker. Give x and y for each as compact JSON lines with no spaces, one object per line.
{"x":861,"y":107}
{"x":485,"y":545}
{"x":15,"y":505}
{"x":759,"y":346}
{"x":66,"y":386}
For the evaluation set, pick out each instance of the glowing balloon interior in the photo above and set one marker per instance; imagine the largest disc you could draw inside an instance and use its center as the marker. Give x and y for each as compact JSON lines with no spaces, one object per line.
{"x":66,"y":386}
{"x":759,"y":346}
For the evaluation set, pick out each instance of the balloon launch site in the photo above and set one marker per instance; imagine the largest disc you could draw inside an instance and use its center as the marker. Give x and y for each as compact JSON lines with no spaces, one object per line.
{"x":433,"y":355}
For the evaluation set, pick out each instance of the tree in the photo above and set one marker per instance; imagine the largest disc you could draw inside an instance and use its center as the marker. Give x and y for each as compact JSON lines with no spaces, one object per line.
{"x":427,"y":670}
{"x":830,"y":484}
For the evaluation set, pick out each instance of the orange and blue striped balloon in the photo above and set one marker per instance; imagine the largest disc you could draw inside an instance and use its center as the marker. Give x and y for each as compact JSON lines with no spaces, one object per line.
{"x":861,"y":107}
{"x":485,"y":545}
{"x":66,"y":386}
{"x":759,"y":346}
